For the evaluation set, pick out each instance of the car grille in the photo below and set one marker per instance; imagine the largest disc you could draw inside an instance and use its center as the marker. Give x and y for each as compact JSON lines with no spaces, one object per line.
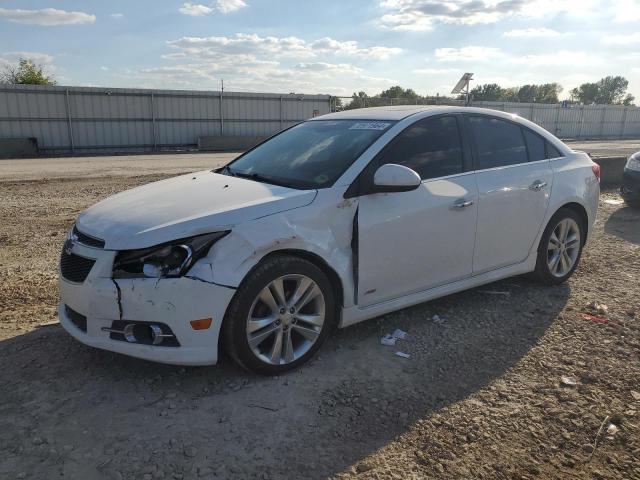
{"x":74,"y":267}
{"x":76,"y":318}
{"x":87,"y":240}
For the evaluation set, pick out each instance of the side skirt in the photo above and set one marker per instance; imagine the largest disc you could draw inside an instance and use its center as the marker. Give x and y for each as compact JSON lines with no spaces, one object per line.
{"x":354,"y":314}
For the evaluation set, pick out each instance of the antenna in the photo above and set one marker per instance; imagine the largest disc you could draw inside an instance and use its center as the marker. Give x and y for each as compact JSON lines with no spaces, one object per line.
{"x":463,"y":84}
{"x":222,"y":84}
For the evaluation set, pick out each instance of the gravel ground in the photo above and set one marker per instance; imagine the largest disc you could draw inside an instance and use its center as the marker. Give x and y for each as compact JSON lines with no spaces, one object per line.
{"x":482,"y":395}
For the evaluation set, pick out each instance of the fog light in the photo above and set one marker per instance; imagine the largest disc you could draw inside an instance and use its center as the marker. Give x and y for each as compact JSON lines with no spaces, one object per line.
{"x":201,"y":324}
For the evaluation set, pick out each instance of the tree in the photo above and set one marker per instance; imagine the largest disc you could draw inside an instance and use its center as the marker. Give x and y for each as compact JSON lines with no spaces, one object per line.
{"x":489,"y":92}
{"x":606,"y":91}
{"x":27,"y":72}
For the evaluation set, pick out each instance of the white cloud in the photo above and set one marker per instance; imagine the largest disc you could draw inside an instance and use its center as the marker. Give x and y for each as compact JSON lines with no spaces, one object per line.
{"x":47,"y":17}
{"x":435,"y":71}
{"x":327,"y":67}
{"x":37,"y":57}
{"x":222,"y":6}
{"x":623,"y":40}
{"x":294,"y":47}
{"x":468,"y":54}
{"x":329,"y":45}
{"x":195,"y":10}
{"x":531,"y":33}
{"x":228,"y":6}
{"x":116,"y":15}
{"x":422,"y":14}
{"x":561,"y":58}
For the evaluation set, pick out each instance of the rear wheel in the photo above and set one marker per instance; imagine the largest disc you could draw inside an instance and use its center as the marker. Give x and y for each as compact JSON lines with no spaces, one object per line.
{"x":560,"y":247}
{"x":279,"y":316}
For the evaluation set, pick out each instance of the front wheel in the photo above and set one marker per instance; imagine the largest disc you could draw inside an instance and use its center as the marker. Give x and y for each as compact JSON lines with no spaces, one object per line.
{"x":560,"y":247}
{"x":280,"y":315}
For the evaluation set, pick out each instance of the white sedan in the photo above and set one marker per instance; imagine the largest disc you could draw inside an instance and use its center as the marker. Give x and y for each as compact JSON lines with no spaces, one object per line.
{"x":336,"y":220}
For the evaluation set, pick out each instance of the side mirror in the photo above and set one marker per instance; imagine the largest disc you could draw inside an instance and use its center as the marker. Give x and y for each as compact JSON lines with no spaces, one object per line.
{"x":395,"y":178}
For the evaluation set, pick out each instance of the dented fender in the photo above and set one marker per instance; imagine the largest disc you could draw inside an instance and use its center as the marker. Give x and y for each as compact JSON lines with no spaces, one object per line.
{"x":324,"y":228}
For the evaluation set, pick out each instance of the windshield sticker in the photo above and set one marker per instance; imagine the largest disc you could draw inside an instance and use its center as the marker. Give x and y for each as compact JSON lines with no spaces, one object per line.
{"x":369,"y":126}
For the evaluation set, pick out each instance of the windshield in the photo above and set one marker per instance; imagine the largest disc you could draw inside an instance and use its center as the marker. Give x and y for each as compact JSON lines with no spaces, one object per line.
{"x":310,"y":155}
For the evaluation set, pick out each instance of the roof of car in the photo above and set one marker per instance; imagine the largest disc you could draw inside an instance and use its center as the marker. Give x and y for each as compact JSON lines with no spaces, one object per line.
{"x":381,"y":113}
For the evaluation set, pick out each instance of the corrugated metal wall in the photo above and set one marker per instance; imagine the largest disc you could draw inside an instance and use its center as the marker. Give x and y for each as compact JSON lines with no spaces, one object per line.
{"x":84,"y":119}
{"x":570,"y":122}
{"x":577,"y":121}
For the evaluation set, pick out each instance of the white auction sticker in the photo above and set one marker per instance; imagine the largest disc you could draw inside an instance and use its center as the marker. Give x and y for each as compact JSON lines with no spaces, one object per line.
{"x":369,"y":126}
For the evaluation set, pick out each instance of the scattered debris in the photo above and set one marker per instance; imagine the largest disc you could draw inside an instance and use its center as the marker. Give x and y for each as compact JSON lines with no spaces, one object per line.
{"x":599,"y":308}
{"x":388,"y":340}
{"x":596,"y":319}
{"x":635,"y":395}
{"x":437,"y":319}
{"x":399,"y":334}
{"x":595,"y":441}
{"x":495,"y":292}
{"x":568,"y":381}
{"x":403,"y":354}
{"x":613,"y":201}
{"x":612,"y":429}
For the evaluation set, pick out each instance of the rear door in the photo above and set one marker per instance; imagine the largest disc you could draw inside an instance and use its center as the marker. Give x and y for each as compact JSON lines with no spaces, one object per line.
{"x":514,"y":180}
{"x":412,"y":241}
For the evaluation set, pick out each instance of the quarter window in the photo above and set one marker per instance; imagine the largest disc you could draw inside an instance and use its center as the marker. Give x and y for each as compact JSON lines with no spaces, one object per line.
{"x":499,"y":142}
{"x":552,"y":152}
{"x":431,"y":147}
{"x":535,"y":145}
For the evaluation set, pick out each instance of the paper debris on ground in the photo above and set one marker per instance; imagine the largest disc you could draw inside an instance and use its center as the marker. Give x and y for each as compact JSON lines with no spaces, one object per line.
{"x":612,"y":429}
{"x":437,"y":319}
{"x":388,"y":340}
{"x":403,"y":354}
{"x":612,"y":201}
{"x":399,"y":334}
{"x":568,"y":381}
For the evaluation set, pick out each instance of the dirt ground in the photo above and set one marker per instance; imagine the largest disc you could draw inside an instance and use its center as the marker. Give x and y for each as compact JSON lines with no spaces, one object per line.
{"x":482,"y":395}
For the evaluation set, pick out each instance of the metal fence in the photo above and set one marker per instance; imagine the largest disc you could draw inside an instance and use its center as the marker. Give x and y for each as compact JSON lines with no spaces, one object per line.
{"x":567,"y":122}
{"x":87,"y":119}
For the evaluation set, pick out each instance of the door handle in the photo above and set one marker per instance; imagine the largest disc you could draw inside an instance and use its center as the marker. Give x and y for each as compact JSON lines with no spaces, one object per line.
{"x":459,"y":205}
{"x":537,"y":186}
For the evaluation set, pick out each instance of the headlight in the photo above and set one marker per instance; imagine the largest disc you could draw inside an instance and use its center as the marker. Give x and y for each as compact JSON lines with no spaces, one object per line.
{"x":172,"y":259}
{"x":634,"y":162}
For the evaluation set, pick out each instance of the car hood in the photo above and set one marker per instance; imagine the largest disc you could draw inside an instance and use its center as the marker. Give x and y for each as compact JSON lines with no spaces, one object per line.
{"x":184,"y":206}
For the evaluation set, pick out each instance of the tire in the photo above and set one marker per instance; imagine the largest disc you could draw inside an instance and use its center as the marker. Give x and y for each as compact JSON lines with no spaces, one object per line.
{"x":257,"y":319}
{"x":548,"y":271}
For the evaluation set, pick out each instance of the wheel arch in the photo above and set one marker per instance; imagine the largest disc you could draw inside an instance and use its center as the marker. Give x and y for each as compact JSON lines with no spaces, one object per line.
{"x":319,"y":262}
{"x":311,"y":257}
{"x":582,"y":213}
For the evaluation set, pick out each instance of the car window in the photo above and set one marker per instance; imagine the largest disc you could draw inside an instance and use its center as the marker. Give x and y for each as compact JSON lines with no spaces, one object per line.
{"x":313,"y":154}
{"x":553,"y":152}
{"x":535,"y":145}
{"x":431,"y":147}
{"x":499,"y":142}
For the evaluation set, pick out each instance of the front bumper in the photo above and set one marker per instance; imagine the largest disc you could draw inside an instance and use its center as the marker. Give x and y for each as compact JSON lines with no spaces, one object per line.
{"x":172,"y":301}
{"x":630,"y":189}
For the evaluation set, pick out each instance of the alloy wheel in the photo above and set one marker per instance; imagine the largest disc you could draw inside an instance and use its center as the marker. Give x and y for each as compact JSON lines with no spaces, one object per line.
{"x":564,"y":247}
{"x":285,"y":319}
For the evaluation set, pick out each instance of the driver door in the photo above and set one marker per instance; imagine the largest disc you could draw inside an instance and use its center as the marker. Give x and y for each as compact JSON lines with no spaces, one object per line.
{"x":420,"y":239}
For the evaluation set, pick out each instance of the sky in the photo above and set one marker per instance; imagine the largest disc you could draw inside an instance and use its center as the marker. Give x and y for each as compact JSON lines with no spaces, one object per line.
{"x":330,"y":46}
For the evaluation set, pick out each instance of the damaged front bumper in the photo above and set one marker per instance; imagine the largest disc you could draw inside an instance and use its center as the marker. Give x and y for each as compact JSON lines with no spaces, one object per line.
{"x":106,"y":303}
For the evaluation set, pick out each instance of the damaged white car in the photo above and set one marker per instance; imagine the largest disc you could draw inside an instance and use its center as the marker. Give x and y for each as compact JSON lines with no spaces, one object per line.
{"x":336,"y":220}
